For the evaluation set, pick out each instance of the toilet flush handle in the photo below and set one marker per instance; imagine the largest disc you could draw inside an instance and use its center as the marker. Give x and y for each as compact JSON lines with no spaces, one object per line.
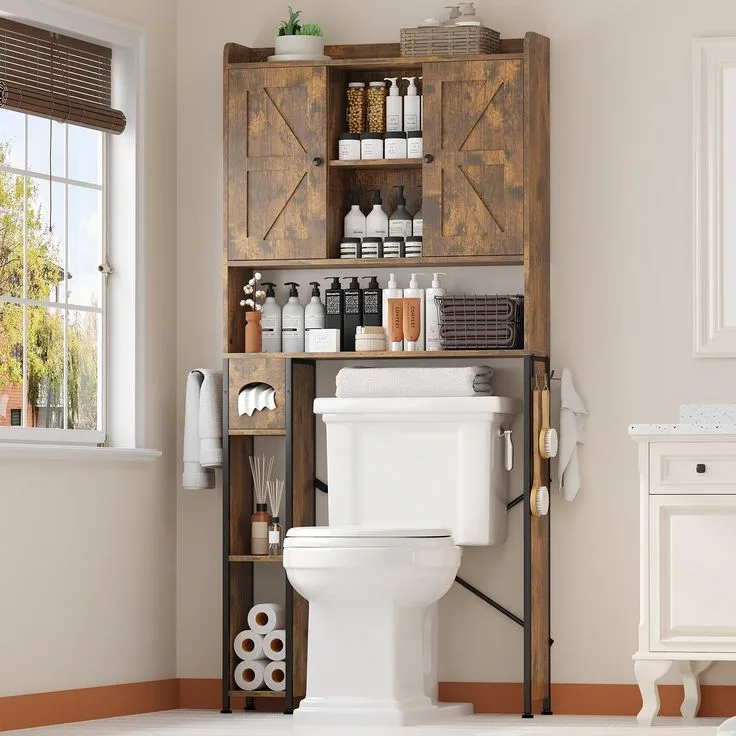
{"x":508,"y":450}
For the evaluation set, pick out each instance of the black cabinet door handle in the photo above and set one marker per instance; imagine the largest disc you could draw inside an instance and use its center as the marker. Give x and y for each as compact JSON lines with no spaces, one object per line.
{"x":316,"y":161}
{"x":428,"y":158}
{"x":700,"y":468}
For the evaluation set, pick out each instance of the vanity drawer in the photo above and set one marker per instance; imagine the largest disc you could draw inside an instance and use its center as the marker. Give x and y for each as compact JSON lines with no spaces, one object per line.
{"x":692,"y":467}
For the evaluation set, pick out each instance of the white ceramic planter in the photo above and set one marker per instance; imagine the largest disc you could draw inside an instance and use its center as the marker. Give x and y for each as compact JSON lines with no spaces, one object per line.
{"x":302,"y":46}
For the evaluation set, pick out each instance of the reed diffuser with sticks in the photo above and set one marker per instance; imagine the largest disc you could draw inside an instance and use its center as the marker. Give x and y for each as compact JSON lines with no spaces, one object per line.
{"x":260,"y":467}
{"x":275,"y":530}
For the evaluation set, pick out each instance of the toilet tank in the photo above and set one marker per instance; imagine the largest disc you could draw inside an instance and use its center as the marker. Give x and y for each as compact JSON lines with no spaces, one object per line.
{"x":419,"y":463}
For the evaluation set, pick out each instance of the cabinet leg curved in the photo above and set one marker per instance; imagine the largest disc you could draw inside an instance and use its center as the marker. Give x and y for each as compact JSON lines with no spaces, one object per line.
{"x":690,"y":672}
{"x":648,"y":672}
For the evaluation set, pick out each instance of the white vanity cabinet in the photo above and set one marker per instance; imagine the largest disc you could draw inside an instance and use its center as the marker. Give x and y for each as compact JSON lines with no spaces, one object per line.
{"x":688,"y":556}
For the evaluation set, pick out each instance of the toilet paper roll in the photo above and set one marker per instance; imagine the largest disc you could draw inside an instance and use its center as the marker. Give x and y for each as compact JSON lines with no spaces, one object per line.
{"x":249,"y":645}
{"x":275,"y":675}
{"x":266,"y":617}
{"x":251,"y":675}
{"x":274,"y":645}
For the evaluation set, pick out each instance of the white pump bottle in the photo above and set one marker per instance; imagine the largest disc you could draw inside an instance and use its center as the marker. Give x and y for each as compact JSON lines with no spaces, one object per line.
{"x":394,"y":110}
{"x":391,"y":292}
{"x":432,"y":318}
{"x":412,"y":105}
{"x":415,"y":292}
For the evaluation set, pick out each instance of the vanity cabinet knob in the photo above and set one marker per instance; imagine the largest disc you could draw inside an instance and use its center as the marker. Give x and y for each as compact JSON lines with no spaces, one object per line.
{"x":428,"y":158}
{"x":700,"y":468}
{"x":316,"y":161}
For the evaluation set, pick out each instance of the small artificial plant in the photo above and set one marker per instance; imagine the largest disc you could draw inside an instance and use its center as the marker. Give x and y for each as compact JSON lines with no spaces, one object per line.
{"x":292,"y":27}
{"x":255,"y":296}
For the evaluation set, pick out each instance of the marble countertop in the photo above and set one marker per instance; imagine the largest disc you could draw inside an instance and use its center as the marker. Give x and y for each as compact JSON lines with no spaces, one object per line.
{"x":681,"y":429}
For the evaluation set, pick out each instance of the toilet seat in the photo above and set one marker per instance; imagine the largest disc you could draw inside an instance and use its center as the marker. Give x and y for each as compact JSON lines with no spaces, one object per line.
{"x":361,"y":537}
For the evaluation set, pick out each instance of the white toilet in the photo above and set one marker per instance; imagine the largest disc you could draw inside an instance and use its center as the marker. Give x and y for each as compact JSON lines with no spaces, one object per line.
{"x":410,"y":481}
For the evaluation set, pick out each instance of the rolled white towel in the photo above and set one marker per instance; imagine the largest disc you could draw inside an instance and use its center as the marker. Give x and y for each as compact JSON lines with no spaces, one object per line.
{"x":210,"y":420}
{"x":194,"y":476}
{"x":361,"y":383}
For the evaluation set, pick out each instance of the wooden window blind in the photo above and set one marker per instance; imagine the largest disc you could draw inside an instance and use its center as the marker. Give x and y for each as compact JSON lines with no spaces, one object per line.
{"x":57,"y":77}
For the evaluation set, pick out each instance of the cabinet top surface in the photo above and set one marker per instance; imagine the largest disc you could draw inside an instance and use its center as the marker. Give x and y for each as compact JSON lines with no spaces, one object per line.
{"x":685,"y":432}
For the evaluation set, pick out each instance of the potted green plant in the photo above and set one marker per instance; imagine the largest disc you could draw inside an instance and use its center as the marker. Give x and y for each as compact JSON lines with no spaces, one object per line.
{"x":298,"y":41}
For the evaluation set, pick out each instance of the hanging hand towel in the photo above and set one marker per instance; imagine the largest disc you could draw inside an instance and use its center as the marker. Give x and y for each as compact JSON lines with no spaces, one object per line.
{"x":210,"y":420}
{"x":573,"y":418}
{"x":194,"y":476}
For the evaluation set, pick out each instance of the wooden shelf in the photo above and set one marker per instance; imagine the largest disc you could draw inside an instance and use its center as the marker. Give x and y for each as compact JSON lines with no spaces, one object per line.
{"x":257,"y":694}
{"x":256,"y":558}
{"x":379,"y":163}
{"x":257,"y":432}
{"x":446,"y":354}
{"x":388,"y":263}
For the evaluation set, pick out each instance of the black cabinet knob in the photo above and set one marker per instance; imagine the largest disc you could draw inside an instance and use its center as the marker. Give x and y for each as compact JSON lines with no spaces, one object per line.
{"x":700,"y":468}
{"x":428,"y":158}
{"x":316,"y":161}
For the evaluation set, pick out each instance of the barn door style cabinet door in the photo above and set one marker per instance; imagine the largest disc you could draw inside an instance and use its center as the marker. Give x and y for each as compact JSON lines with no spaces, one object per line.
{"x":473,"y":179}
{"x":276,"y":173}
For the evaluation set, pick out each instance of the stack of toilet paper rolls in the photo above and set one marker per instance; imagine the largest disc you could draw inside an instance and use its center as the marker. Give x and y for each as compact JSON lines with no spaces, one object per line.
{"x":262,"y":649}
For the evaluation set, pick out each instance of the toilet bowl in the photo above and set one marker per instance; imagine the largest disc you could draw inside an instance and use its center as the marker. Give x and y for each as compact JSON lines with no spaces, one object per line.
{"x":411,"y":480}
{"x":369,"y":591}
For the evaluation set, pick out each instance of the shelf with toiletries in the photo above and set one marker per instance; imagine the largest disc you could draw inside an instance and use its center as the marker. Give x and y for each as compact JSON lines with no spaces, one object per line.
{"x":330,"y":263}
{"x":401,"y":355}
{"x":379,"y":163}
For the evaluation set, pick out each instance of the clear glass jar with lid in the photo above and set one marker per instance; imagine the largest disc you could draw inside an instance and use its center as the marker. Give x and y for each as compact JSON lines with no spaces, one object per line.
{"x":376,"y":107}
{"x":356,"y":107}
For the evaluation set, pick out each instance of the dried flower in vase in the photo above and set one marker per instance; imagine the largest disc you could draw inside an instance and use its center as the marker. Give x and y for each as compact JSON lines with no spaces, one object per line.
{"x":254,"y":295}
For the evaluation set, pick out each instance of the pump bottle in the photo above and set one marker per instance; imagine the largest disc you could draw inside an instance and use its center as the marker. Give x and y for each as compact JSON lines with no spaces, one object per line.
{"x":394,"y":109}
{"x":400,"y":224}
{"x":392,"y":292}
{"x":314,"y":313}
{"x":353,"y":313}
{"x":376,"y":224}
{"x":271,"y":320}
{"x":412,"y":104}
{"x":372,"y":303}
{"x":414,"y":292}
{"x":335,"y":307}
{"x":432,"y":315}
{"x":354,"y":220}
{"x":292,"y":322}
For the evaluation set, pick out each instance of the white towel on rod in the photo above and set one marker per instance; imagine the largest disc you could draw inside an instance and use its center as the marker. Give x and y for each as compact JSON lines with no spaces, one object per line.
{"x":573,"y":418}
{"x":194,"y":475}
{"x":210,"y":420}
{"x":202,"y":450}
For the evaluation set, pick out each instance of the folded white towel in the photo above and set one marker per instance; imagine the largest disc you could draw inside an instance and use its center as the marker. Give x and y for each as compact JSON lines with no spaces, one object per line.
{"x":210,"y":420}
{"x":362,"y":383}
{"x":194,"y":475}
{"x":573,"y":418}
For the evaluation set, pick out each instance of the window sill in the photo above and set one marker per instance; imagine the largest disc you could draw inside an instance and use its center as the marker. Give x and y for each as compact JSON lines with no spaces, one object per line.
{"x":14,"y":451}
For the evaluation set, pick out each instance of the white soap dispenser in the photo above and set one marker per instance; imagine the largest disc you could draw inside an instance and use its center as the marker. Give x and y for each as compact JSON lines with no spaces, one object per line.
{"x":314,"y":314}
{"x":271,"y":320}
{"x":414,"y":292}
{"x":292,"y":322}
{"x":468,"y":16}
{"x":392,"y":292}
{"x":432,"y":317}
{"x":412,"y":103}
{"x":376,"y":224}
{"x":354,"y":223}
{"x":394,"y":108}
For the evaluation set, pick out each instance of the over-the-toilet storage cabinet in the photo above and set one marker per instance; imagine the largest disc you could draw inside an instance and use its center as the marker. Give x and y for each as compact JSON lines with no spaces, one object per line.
{"x":688,"y":556}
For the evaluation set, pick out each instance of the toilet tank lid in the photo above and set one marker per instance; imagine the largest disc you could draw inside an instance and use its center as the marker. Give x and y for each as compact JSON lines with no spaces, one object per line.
{"x":359,"y":532}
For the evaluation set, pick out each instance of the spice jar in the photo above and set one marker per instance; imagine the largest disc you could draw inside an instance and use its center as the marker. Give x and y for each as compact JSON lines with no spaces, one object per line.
{"x":376,"y":106}
{"x":348,"y":148}
{"x":395,"y":145}
{"x":414,"y":144}
{"x":371,"y":145}
{"x":356,"y":107}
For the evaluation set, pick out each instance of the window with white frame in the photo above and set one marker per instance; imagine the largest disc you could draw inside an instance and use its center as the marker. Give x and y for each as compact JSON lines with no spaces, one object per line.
{"x":52,"y":292}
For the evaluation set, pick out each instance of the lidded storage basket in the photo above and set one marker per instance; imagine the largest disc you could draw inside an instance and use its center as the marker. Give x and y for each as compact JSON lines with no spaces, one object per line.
{"x":449,"y":41}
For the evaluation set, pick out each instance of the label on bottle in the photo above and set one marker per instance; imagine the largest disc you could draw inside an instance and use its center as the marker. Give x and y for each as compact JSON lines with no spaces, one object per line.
{"x":418,"y":227}
{"x":353,"y":231}
{"x":411,"y":121}
{"x":314,"y":322}
{"x":371,"y":302}
{"x":290,"y":323}
{"x":399,"y":228}
{"x":415,"y":148}
{"x":393,"y":122}
{"x":378,"y":229}
{"x":259,"y":537}
{"x":333,"y":302}
{"x":274,"y":537}
{"x":269,"y":324}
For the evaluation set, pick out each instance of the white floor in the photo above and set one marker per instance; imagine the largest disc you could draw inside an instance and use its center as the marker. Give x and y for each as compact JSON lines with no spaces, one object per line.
{"x":209,"y":723}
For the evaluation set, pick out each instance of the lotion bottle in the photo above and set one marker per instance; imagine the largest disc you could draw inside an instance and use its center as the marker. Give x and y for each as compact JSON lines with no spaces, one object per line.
{"x":394,"y":107}
{"x":354,"y":223}
{"x":314,"y":313}
{"x":392,"y":292}
{"x":292,"y":322}
{"x":376,"y":224}
{"x":353,"y":314}
{"x":335,"y":307}
{"x":400,"y":224}
{"x":372,"y":304}
{"x":271,"y":320}
{"x":412,"y":104}
{"x":432,"y":314}
{"x":414,"y":292}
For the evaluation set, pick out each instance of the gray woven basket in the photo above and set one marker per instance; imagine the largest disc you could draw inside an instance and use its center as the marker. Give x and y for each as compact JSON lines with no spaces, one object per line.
{"x":449,"y":41}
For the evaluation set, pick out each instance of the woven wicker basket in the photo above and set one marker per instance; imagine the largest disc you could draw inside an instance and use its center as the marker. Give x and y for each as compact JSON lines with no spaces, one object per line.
{"x":449,"y":41}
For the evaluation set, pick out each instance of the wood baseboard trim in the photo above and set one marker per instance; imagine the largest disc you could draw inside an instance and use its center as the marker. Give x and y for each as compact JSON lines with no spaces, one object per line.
{"x":66,"y":706}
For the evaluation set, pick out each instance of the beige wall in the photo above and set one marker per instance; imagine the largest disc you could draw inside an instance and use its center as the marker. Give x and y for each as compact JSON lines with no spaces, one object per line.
{"x":621,"y":308}
{"x":87,"y":550}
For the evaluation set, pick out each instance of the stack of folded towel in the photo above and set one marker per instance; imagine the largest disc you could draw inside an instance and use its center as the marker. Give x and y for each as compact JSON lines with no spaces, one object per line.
{"x":364,"y":383}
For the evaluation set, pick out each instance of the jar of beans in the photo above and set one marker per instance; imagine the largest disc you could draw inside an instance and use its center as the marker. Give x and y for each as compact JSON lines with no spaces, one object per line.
{"x":356,"y":107}
{"x":376,"y":95}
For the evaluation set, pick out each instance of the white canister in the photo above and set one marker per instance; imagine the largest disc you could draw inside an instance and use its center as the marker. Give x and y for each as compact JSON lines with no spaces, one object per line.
{"x":348,"y":148}
{"x":414,"y":144}
{"x":371,"y":145}
{"x":395,"y":145}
